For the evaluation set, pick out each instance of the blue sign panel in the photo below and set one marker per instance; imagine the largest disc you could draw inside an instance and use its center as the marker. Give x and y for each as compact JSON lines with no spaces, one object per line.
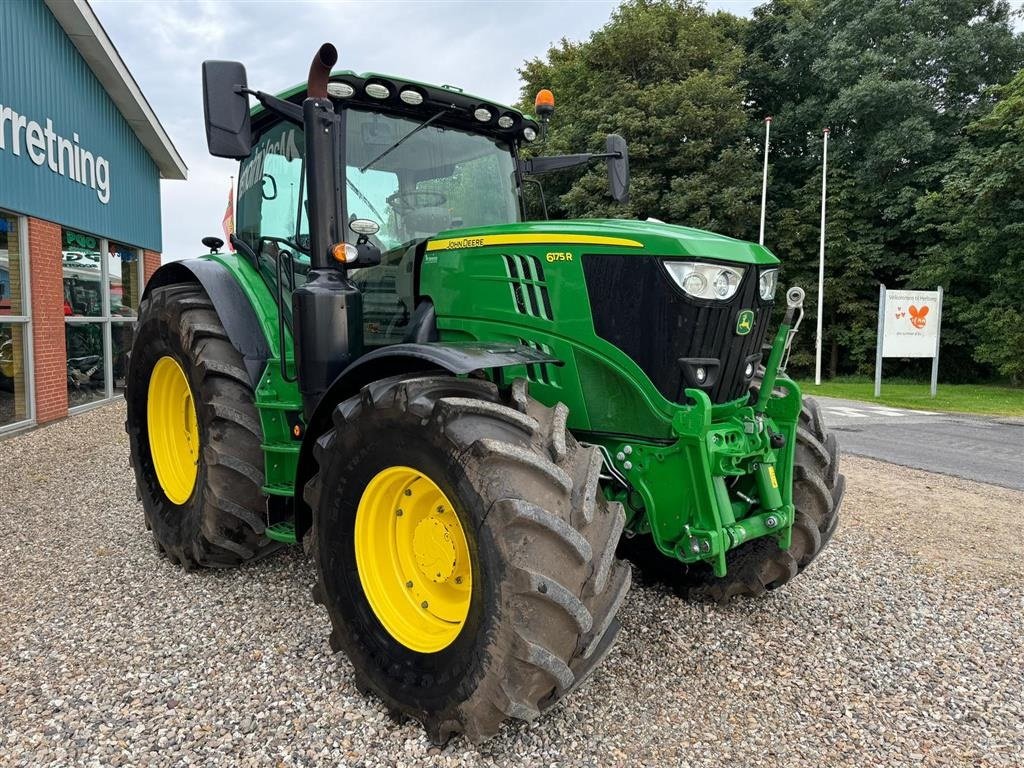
{"x":67,"y":154}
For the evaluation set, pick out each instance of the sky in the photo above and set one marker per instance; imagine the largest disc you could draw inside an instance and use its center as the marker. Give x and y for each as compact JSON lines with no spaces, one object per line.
{"x":477,"y":46}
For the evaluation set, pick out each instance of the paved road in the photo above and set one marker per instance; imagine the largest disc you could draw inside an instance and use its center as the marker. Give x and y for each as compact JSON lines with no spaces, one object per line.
{"x":989,"y":450}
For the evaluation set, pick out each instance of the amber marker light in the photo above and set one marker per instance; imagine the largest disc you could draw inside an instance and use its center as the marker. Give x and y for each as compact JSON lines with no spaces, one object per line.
{"x":344,"y":252}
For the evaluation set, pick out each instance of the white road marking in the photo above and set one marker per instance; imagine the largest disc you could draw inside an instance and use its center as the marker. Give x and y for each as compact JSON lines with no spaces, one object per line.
{"x":864,"y":412}
{"x":841,"y":410}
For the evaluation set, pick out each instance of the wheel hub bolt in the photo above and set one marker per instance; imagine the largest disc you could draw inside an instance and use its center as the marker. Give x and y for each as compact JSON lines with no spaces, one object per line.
{"x":458,"y":579}
{"x":408,"y":584}
{"x":399,"y":512}
{"x":440,"y":510}
{"x":408,"y":492}
{"x":424,"y":604}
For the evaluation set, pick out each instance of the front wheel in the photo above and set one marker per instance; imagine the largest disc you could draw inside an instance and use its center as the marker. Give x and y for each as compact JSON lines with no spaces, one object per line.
{"x":465,"y":555}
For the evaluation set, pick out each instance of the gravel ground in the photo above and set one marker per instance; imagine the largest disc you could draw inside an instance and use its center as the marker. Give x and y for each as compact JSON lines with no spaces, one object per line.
{"x":889,"y":652}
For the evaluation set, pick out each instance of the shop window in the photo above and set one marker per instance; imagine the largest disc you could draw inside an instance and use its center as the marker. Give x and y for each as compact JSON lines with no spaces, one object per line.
{"x":15,"y":389}
{"x":102,"y":288}
{"x":86,"y":380}
{"x":83,"y":275}
{"x":14,"y":405}
{"x":121,"y":335}
{"x":124,"y":283}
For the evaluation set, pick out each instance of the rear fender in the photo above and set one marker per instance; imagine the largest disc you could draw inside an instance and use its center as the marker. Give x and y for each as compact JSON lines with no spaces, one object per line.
{"x":231,"y":303}
{"x":397,"y":360}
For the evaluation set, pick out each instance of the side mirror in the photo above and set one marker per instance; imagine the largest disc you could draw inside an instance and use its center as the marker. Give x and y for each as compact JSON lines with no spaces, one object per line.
{"x":618,"y":168}
{"x":226,"y":107}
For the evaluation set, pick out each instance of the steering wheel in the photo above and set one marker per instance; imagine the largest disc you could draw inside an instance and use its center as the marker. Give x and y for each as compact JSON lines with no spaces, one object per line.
{"x":403,"y":202}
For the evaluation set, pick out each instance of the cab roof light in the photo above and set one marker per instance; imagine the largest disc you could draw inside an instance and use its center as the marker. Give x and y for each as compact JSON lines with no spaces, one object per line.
{"x":340,"y":90}
{"x":410,"y":96}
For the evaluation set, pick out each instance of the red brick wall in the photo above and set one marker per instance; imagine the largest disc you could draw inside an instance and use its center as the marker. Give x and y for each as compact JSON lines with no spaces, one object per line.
{"x":46,"y":276}
{"x":150,"y":263}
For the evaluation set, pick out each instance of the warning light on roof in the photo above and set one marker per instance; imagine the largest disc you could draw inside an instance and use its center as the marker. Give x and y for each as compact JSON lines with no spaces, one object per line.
{"x":544,"y":104}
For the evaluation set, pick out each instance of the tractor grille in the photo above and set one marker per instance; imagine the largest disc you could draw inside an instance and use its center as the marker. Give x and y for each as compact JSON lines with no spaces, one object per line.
{"x":638,"y":308}
{"x":526,"y":281}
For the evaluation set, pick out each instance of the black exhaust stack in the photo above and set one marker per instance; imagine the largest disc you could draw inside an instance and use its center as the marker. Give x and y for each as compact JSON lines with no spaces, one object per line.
{"x":327,"y":312}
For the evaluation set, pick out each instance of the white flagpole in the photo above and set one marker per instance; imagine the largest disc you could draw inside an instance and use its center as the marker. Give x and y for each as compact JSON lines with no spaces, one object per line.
{"x":821,"y":263}
{"x":764,"y":175}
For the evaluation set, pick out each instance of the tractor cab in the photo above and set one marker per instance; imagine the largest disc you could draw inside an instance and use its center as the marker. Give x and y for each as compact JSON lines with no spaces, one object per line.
{"x":414,"y":161}
{"x":410,"y":172}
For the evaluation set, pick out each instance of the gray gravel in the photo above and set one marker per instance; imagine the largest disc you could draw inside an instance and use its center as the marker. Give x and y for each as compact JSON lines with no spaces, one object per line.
{"x":111,"y":656}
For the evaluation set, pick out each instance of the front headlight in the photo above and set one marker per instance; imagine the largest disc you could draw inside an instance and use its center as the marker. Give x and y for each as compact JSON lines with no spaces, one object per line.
{"x":705,"y":281}
{"x":768,"y":283}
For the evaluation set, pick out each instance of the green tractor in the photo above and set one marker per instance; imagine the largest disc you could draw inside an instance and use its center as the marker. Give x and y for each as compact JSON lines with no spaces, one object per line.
{"x":466,"y":418}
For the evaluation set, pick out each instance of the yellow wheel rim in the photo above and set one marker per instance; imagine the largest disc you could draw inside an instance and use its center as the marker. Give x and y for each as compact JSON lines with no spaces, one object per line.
{"x":173,"y":430}
{"x":413,"y":559}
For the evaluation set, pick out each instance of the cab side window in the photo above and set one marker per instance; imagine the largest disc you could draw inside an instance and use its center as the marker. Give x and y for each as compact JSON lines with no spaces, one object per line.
{"x":272,"y":217}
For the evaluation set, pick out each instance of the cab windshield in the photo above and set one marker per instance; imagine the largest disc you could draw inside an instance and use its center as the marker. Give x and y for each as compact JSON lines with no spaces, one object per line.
{"x":438,"y":178}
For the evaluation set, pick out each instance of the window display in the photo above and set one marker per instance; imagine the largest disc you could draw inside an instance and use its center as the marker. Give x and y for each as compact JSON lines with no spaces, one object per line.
{"x":102,"y":288}
{"x":14,"y":397}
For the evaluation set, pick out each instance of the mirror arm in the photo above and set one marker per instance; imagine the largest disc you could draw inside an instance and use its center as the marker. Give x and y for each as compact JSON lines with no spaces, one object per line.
{"x":290,"y":112}
{"x":538,"y":165}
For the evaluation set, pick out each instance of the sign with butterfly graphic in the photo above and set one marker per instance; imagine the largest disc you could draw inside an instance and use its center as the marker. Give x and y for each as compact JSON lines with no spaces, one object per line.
{"x":909,"y":325}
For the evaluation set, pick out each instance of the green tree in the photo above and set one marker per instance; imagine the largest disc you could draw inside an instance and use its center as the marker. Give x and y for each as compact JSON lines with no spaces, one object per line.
{"x":665,"y":75}
{"x":897,"y":81}
{"x":975,"y":222}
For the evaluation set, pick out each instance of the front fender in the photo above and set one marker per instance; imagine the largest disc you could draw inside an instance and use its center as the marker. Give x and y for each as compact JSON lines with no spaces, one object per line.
{"x":397,"y":360}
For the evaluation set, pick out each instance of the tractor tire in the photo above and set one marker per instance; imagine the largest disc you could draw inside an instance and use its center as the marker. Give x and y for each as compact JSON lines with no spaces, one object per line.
{"x":204,"y":501}
{"x":541,"y":582}
{"x":759,"y":565}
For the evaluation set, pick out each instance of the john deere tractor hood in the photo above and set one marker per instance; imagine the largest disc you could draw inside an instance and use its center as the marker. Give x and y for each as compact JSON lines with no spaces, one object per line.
{"x":649,"y":238}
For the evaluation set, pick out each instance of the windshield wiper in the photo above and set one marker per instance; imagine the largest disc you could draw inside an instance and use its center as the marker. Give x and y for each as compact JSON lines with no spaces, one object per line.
{"x":398,"y":143}
{"x":365,"y":200}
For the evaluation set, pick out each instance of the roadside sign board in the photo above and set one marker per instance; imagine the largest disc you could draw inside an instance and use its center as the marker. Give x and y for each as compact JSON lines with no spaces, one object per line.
{"x":909,"y":325}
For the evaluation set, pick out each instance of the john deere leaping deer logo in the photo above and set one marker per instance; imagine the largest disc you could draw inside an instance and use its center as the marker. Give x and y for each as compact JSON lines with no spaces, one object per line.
{"x":744,"y":322}
{"x":917,"y":316}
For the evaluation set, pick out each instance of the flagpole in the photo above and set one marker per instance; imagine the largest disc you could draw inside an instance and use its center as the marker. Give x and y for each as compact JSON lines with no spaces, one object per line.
{"x":227,"y":223}
{"x":764,"y":175}
{"x":821,"y":263}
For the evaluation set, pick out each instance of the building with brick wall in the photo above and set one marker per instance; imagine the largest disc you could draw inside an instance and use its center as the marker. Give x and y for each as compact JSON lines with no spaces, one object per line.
{"x":81,"y":159}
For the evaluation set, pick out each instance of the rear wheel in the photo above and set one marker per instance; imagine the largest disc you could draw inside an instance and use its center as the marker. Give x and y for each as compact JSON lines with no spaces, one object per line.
{"x":194,"y":433}
{"x":760,"y":565}
{"x":464,"y":553}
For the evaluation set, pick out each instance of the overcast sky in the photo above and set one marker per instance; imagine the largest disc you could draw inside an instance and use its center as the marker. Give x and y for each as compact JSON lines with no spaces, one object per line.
{"x":477,"y":46}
